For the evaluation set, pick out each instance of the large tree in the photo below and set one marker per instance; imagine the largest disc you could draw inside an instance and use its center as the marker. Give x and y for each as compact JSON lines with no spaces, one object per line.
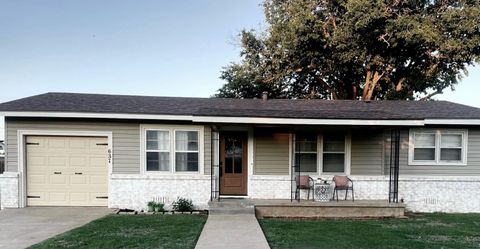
{"x":356,"y":49}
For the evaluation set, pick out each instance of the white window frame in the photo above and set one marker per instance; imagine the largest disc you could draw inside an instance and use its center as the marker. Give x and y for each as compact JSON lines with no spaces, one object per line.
{"x":348,"y":149}
{"x":347,"y":152}
{"x":172,"y":132}
{"x":170,"y":138}
{"x":186,"y":151}
{"x":305,"y":152}
{"x":438,"y":136}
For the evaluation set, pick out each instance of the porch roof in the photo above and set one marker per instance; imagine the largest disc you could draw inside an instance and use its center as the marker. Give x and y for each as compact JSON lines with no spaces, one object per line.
{"x":181,"y":108}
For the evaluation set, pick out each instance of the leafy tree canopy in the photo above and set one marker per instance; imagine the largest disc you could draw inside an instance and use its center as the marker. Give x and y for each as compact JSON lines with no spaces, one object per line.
{"x":356,"y":49}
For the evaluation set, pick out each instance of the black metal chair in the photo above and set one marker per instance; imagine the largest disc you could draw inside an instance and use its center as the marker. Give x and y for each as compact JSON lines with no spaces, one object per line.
{"x":304,"y":182}
{"x":343,"y":183}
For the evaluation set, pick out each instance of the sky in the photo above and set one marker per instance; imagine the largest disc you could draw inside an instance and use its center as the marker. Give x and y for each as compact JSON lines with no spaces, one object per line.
{"x":160,"y":48}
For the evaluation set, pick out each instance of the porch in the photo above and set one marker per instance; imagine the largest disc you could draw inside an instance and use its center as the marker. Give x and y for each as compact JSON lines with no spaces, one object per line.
{"x":284,"y":208}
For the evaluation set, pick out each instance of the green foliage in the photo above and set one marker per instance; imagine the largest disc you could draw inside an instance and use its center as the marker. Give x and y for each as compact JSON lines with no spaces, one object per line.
{"x":182,"y":205}
{"x":417,"y":232}
{"x":132,"y":231}
{"x":351,"y":49}
{"x":159,"y":207}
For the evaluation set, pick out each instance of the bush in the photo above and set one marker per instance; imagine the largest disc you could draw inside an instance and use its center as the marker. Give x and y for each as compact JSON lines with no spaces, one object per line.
{"x":159,"y":207}
{"x":182,"y":205}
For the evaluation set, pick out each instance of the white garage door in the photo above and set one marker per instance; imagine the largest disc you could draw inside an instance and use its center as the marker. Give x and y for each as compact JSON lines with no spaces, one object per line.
{"x":66,"y":171}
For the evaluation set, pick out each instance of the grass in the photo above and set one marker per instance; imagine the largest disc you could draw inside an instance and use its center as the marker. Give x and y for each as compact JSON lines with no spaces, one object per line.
{"x":419,"y":231}
{"x":132,"y":231}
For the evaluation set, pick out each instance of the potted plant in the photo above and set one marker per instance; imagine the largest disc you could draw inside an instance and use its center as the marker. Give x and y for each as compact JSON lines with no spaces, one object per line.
{"x":151,"y":206}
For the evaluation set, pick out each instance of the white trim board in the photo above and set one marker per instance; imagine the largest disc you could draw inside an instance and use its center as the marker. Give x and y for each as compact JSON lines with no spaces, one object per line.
{"x":244,"y":120}
{"x":21,"y":134}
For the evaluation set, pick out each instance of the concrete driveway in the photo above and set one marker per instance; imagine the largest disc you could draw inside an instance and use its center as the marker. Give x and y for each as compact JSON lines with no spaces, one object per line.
{"x":23,"y":227}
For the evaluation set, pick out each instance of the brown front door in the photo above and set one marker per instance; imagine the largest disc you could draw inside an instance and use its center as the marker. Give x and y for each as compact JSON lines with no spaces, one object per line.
{"x":233,"y":163}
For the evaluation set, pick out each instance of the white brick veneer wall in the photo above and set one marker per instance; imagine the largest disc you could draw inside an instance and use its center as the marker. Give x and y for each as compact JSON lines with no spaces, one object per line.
{"x":135,"y":191}
{"x":9,"y":190}
{"x":420,"y":193}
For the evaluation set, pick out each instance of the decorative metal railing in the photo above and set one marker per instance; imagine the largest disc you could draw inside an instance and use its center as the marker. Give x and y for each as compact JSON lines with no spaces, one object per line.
{"x":394,"y":165}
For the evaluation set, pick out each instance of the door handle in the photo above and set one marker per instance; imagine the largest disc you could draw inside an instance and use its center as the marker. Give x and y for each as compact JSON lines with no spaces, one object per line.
{"x":220,"y":171}
{"x":57,"y":173}
{"x":78,"y":173}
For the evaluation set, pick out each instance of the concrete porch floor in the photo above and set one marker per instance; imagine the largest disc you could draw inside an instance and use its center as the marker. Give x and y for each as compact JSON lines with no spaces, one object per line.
{"x":282,"y":208}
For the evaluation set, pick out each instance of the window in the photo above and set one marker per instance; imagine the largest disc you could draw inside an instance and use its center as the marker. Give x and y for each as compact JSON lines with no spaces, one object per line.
{"x":306,"y":152}
{"x":171,"y":150}
{"x":333,"y":153}
{"x":186,"y":151}
{"x":437,"y":147}
{"x":158,"y":151}
{"x":330,"y":157}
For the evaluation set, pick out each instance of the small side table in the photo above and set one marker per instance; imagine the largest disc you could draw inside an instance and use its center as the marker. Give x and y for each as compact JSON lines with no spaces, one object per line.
{"x":322,"y":191}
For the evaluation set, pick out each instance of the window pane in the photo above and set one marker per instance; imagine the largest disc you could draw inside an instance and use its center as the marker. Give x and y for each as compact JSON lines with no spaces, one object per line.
{"x":158,"y":140}
{"x":451,"y":140}
{"x":306,"y":162}
{"x":424,"y":154}
{"x":158,"y":161}
{"x":186,"y":140}
{"x":451,"y":154}
{"x":333,"y":162}
{"x":306,"y":143}
{"x":334,"y":143}
{"x":424,"y":140}
{"x":238,"y":164}
{"x":186,"y":161}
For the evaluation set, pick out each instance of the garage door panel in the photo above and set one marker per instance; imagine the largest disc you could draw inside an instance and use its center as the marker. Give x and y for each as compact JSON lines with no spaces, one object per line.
{"x":81,"y":171}
{"x":97,"y":180}
{"x":37,"y":179}
{"x":57,"y":179}
{"x":78,"y":179}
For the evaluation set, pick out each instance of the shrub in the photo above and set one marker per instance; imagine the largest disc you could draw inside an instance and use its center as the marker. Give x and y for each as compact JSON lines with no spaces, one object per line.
{"x":182,"y":205}
{"x":159,"y":207}
{"x":151,"y":206}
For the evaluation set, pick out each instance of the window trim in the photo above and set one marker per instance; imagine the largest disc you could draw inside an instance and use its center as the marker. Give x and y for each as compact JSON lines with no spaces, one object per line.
{"x":346,"y":152}
{"x":319,"y":153}
{"x":438,"y":136}
{"x":169,"y":150}
{"x":172,"y":134}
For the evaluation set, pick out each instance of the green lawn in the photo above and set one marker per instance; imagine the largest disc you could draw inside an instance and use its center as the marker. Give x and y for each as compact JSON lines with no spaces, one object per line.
{"x":419,"y":231}
{"x":132,"y":231}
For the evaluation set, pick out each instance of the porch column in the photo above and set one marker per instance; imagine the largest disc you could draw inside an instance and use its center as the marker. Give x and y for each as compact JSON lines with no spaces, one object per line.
{"x":215,"y":167}
{"x":394,"y":165}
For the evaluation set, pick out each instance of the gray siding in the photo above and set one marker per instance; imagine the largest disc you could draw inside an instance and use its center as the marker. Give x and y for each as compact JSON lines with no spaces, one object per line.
{"x":271,"y":154}
{"x":473,"y":158}
{"x":367,"y":152}
{"x":126,"y":141}
{"x":207,"y":149}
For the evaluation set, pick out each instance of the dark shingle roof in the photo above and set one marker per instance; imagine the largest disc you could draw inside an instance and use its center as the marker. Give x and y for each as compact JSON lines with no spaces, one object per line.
{"x":277,"y":108}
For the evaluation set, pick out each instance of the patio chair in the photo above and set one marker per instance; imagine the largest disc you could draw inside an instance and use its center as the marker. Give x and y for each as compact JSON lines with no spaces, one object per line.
{"x":343,"y":183}
{"x":304,"y":182}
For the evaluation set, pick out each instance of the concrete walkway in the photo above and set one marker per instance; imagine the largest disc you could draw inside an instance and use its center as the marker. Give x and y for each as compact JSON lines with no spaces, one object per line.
{"x":232,"y":231}
{"x":23,"y":227}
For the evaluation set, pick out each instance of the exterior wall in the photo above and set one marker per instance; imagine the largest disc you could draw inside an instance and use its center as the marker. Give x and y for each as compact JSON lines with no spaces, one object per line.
{"x":471,"y":169}
{"x":9,"y":190}
{"x":271,"y":153}
{"x":126,"y":141}
{"x":131,"y":192}
{"x":269,"y":187}
{"x":367,"y":152}
{"x":135,"y":191}
{"x":207,"y":159}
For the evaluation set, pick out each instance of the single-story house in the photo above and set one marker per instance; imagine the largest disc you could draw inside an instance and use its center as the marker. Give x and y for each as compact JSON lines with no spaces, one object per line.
{"x":66,"y":149}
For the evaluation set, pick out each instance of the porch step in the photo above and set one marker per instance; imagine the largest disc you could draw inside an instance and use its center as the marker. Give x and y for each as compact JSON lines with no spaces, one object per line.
{"x":231,"y":206}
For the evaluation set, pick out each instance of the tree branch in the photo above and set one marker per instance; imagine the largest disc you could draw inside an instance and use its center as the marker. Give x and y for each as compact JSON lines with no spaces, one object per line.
{"x":326,"y":86}
{"x":431,"y":95}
